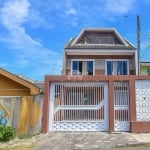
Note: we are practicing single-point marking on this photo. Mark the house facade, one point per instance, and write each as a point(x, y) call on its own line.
point(21, 103)
point(145, 68)
point(99, 89)
point(99, 52)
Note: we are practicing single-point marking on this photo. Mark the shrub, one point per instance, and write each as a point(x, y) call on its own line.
point(7, 133)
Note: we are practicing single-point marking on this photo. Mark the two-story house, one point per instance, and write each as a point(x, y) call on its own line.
point(99, 52)
point(94, 92)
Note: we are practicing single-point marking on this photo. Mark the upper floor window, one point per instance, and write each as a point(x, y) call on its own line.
point(117, 68)
point(80, 67)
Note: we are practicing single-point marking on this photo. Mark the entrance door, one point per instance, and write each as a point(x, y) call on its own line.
point(121, 106)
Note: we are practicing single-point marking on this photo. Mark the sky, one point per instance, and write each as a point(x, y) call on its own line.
point(33, 33)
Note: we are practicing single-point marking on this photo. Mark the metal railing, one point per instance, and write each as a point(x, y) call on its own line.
point(79, 101)
point(121, 106)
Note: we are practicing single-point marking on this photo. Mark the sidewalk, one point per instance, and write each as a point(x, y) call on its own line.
point(80, 141)
point(141, 137)
point(86, 140)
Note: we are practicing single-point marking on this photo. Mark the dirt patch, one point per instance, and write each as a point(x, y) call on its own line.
point(21, 144)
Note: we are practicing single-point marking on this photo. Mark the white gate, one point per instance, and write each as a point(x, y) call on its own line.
point(121, 106)
point(78, 106)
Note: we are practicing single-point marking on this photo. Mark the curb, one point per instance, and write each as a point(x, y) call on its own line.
point(130, 145)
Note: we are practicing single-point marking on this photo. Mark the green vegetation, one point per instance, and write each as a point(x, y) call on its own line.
point(24, 136)
point(7, 133)
point(18, 148)
point(147, 144)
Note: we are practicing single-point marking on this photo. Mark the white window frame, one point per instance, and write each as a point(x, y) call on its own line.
point(83, 60)
point(106, 60)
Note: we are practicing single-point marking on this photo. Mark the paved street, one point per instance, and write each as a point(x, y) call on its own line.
point(80, 141)
point(86, 141)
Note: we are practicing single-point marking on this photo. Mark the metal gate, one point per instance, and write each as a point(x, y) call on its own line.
point(121, 106)
point(78, 106)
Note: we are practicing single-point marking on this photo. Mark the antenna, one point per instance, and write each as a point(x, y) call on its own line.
point(138, 42)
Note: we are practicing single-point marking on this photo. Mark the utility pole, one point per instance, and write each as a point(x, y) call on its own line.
point(138, 42)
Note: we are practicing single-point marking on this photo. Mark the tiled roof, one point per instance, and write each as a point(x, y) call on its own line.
point(146, 63)
point(33, 88)
point(98, 46)
point(99, 39)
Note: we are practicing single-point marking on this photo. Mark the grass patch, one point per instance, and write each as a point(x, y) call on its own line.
point(22, 147)
point(17, 148)
point(146, 144)
point(24, 136)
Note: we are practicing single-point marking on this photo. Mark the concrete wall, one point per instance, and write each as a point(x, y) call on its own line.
point(136, 125)
point(22, 113)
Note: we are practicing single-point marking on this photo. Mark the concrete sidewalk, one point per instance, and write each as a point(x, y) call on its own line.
point(80, 141)
point(141, 137)
point(87, 140)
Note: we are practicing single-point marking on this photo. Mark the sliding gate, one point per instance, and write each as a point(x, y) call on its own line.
point(78, 106)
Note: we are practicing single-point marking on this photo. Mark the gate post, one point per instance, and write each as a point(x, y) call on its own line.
point(132, 102)
point(111, 105)
point(45, 119)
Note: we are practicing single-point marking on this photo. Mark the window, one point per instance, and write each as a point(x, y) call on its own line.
point(117, 68)
point(148, 71)
point(82, 67)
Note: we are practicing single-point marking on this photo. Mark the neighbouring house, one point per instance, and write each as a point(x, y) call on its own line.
point(99, 89)
point(21, 103)
point(145, 68)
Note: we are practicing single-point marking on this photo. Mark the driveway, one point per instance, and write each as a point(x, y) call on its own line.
point(84, 141)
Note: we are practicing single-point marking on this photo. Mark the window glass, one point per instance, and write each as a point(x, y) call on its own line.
point(117, 68)
point(125, 68)
point(82, 67)
point(122, 68)
point(109, 68)
point(90, 67)
point(75, 65)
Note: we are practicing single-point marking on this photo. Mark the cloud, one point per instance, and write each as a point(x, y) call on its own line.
point(18, 17)
point(71, 11)
point(58, 12)
point(27, 51)
point(119, 6)
point(14, 12)
point(36, 20)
